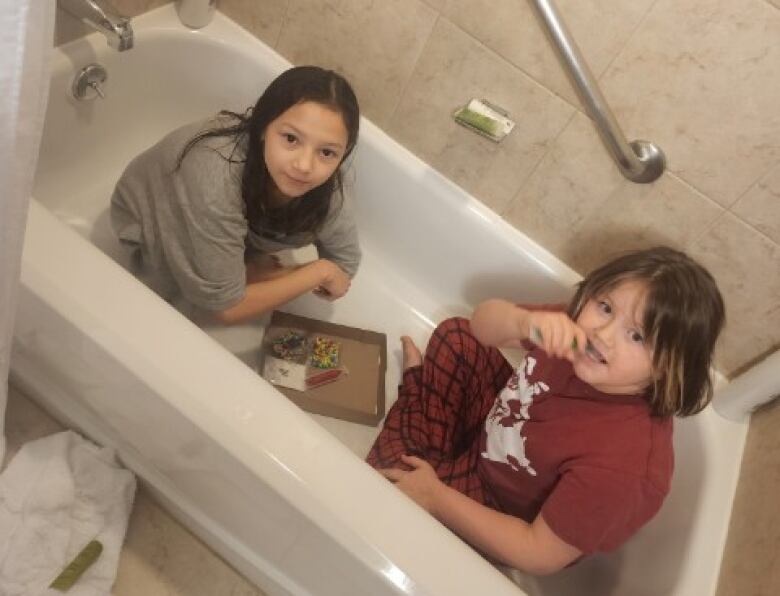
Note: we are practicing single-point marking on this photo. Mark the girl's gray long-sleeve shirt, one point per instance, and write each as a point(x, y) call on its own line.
point(191, 227)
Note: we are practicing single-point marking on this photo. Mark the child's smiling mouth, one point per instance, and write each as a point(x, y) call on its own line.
point(594, 354)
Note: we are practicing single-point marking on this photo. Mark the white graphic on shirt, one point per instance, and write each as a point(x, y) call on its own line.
point(505, 443)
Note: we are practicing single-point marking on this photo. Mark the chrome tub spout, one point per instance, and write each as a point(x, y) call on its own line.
point(102, 17)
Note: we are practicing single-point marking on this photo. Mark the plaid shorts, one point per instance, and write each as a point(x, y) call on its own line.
point(442, 406)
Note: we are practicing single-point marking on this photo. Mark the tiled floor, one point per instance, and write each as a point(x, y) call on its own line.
point(160, 556)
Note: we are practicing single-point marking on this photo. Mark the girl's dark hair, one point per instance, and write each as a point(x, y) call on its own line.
point(294, 86)
point(684, 314)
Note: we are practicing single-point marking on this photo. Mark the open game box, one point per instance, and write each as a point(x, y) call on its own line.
point(327, 369)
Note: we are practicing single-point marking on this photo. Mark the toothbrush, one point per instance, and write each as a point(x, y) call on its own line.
point(537, 337)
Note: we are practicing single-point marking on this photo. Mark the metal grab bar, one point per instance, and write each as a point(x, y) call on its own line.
point(639, 161)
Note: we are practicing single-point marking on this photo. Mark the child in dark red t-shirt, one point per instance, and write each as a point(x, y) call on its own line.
point(570, 453)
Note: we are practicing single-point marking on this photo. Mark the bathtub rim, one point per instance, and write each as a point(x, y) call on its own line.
point(245, 430)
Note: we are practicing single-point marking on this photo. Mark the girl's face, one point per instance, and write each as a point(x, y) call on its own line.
point(618, 359)
point(302, 149)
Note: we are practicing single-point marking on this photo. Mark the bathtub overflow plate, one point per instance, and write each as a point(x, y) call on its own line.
point(87, 84)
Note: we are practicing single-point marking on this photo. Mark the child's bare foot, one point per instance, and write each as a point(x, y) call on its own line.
point(412, 356)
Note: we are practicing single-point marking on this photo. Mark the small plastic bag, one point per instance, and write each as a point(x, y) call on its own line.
point(298, 360)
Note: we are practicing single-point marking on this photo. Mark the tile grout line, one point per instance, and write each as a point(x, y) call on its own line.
point(282, 25)
point(408, 82)
point(537, 165)
point(730, 208)
point(630, 36)
point(772, 5)
point(516, 67)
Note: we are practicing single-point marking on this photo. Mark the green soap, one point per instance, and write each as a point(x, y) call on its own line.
point(479, 121)
point(71, 574)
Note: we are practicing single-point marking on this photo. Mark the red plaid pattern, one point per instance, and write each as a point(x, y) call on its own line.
point(442, 406)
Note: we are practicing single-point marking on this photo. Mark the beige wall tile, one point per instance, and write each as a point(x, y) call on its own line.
point(699, 78)
point(747, 267)
point(453, 69)
point(668, 212)
point(579, 206)
point(599, 27)
point(263, 19)
point(751, 562)
point(133, 8)
point(570, 184)
point(68, 28)
point(760, 206)
point(440, 4)
point(374, 44)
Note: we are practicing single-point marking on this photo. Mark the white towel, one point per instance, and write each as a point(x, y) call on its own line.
point(56, 495)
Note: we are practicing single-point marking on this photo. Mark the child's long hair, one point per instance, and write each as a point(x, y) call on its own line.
point(296, 85)
point(684, 314)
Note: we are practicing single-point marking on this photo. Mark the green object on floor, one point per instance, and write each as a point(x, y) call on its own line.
point(71, 574)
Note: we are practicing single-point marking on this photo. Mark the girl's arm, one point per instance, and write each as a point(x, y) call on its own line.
point(500, 324)
point(337, 240)
point(505, 325)
point(278, 288)
point(532, 548)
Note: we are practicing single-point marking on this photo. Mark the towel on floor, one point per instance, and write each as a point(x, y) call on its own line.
point(56, 495)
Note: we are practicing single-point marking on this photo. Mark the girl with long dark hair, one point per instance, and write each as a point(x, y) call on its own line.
point(206, 208)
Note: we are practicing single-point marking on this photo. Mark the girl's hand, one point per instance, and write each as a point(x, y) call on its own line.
point(420, 483)
point(335, 282)
point(556, 334)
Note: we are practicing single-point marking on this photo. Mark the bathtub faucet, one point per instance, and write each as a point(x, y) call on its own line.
point(102, 16)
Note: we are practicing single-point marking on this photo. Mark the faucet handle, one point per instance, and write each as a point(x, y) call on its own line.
point(91, 77)
point(96, 86)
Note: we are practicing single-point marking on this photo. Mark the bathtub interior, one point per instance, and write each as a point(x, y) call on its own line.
point(83, 155)
point(405, 284)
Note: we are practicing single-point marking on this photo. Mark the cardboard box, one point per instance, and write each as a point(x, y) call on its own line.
point(358, 396)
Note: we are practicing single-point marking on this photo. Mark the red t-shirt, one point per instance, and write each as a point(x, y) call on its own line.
point(597, 466)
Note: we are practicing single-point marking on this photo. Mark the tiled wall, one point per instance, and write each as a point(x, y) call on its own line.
point(697, 77)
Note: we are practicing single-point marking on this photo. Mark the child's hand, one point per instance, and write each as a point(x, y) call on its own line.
point(335, 282)
point(420, 483)
point(556, 333)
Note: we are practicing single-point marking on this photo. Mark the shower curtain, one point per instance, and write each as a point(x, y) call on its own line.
point(26, 39)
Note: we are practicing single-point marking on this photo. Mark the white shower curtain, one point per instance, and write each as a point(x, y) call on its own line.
point(26, 39)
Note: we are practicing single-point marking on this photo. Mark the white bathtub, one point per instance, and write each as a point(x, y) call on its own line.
point(282, 495)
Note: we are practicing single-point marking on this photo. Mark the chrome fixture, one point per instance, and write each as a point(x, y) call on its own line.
point(87, 84)
point(639, 161)
point(102, 16)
